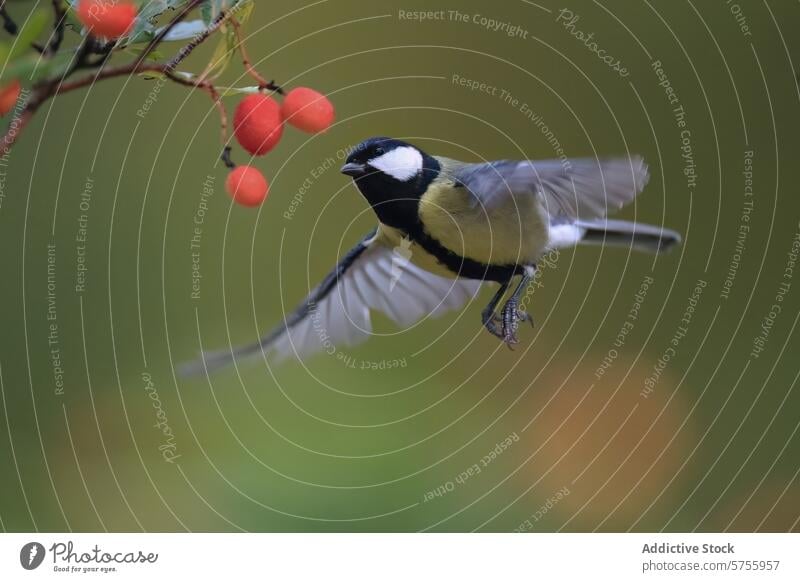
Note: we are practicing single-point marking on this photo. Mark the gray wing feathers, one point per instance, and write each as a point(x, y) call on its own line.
point(570, 189)
point(376, 278)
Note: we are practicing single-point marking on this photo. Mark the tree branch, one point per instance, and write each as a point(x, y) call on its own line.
point(90, 46)
point(50, 88)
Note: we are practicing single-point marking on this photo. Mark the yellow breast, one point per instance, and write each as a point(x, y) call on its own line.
point(513, 232)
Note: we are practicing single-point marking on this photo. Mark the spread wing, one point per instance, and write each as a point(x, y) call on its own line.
point(569, 189)
point(337, 312)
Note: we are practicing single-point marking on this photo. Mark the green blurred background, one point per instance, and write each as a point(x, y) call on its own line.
point(325, 446)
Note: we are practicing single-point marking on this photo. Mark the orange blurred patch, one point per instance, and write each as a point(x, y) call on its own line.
point(614, 445)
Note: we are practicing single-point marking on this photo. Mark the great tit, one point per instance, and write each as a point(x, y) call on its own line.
point(445, 229)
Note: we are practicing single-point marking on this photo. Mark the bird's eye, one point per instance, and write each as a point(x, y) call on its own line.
point(379, 151)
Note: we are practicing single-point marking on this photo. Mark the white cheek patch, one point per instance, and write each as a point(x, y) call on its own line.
point(401, 163)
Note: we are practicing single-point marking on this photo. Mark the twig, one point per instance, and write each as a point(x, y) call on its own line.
point(248, 65)
point(205, 86)
point(8, 23)
point(60, 14)
point(198, 40)
point(223, 115)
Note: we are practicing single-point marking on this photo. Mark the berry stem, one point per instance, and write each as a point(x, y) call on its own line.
point(223, 114)
point(248, 65)
point(226, 158)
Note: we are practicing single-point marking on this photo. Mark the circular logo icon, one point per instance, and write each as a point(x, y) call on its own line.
point(31, 555)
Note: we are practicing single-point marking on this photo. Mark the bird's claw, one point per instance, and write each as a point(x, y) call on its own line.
point(511, 317)
point(490, 322)
point(525, 316)
point(505, 325)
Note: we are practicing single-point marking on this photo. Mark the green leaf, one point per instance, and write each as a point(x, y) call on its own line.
point(32, 67)
point(222, 55)
point(144, 29)
point(185, 30)
point(155, 56)
point(239, 90)
point(29, 32)
point(151, 75)
point(206, 11)
point(210, 9)
point(227, 46)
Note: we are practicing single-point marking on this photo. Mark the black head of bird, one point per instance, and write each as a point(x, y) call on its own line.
point(392, 175)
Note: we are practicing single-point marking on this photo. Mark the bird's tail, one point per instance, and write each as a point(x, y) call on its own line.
point(642, 237)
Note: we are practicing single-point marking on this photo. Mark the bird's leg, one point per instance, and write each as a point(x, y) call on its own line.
point(488, 315)
point(511, 314)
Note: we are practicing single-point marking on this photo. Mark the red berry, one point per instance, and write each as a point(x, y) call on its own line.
point(307, 110)
point(108, 18)
point(257, 124)
point(247, 186)
point(8, 96)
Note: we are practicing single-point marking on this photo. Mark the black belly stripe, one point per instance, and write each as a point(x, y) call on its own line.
point(462, 266)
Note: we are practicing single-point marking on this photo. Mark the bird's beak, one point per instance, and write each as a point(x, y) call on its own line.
point(354, 170)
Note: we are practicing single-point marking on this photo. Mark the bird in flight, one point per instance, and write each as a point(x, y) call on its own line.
point(445, 229)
